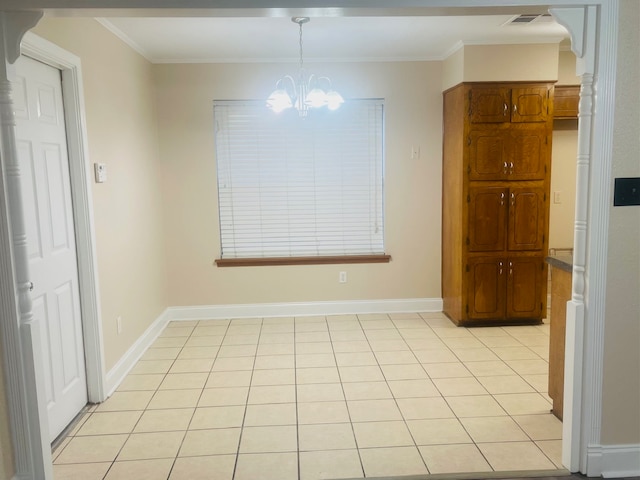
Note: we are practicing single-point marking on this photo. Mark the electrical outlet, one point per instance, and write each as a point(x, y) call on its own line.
point(119, 324)
point(415, 153)
point(557, 197)
point(342, 277)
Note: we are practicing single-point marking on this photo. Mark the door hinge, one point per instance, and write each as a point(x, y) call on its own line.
point(469, 169)
point(545, 169)
point(469, 140)
point(468, 198)
point(467, 267)
point(545, 197)
point(468, 244)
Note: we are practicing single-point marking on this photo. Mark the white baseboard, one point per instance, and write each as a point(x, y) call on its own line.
point(613, 461)
point(120, 370)
point(214, 312)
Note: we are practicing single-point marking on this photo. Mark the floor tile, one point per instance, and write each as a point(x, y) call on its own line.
point(204, 341)
point(420, 408)
point(505, 384)
point(379, 462)
point(313, 347)
point(215, 330)
point(81, 471)
point(162, 342)
point(272, 394)
point(151, 366)
point(271, 362)
point(540, 382)
point(311, 327)
point(276, 338)
point(240, 339)
point(447, 370)
point(459, 386)
point(454, 459)
point(275, 349)
point(389, 345)
point(412, 333)
point(217, 397)
point(184, 381)
point(523, 403)
point(403, 372)
point(227, 351)
point(310, 319)
point(230, 364)
point(178, 331)
point(103, 448)
point(515, 353)
point(425, 344)
point(483, 354)
point(320, 392)
point(210, 442)
point(307, 360)
point(330, 464)
point(109, 423)
point(326, 436)
point(143, 446)
point(475, 406)
point(141, 382)
point(351, 346)
point(438, 431)
point(396, 358)
point(277, 328)
point(528, 367)
point(355, 359)
point(119, 401)
point(217, 417)
point(229, 379)
point(435, 355)
point(553, 450)
point(278, 321)
point(239, 329)
point(366, 391)
point(273, 414)
point(540, 427)
point(413, 388)
point(382, 434)
point(269, 439)
point(164, 399)
point(483, 332)
point(534, 340)
point(501, 341)
point(199, 352)
point(267, 466)
point(493, 429)
point(157, 469)
point(347, 335)
point(317, 375)
point(373, 410)
point(167, 353)
point(386, 334)
point(369, 373)
point(164, 420)
point(489, 368)
point(377, 324)
point(285, 376)
point(218, 467)
point(515, 456)
point(448, 332)
point(303, 337)
point(322, 412)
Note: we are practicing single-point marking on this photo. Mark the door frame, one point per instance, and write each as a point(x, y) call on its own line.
point(593, 29)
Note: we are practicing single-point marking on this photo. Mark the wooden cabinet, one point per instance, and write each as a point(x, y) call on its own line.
point(496, 164)
point(565, 101)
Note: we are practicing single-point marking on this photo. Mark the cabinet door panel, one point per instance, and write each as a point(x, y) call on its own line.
point(527, 153)
point(526, 218)
point(489, 105)
point(487, 219)
point(487, 154)
point(524, 287)
point(529, 104)
point(486, 295)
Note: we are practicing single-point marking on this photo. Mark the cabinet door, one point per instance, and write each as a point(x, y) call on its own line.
point(487, 284)
point(524, 287)
point(526, 218)
point(488, 154)
point(489, 104)
point(487, 219)
point(566, 100)
point(528, 149)
point(529, 104)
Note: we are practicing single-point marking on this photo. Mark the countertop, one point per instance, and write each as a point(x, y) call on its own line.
point(563, 261)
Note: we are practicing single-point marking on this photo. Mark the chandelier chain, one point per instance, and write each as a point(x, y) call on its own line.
point(300, 42)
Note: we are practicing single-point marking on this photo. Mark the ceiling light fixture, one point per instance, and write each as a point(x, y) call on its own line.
point(303, 93)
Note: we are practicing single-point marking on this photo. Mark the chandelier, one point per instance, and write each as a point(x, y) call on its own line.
point(303, 92)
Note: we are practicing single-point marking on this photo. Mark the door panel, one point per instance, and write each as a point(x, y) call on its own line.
point(486, 299)
point(42, 151)
point(529, 104)
point(487, 154)
point(524, 287)
point(526, 218)
point(487, 219)
point(528, 153)
point(489, 104)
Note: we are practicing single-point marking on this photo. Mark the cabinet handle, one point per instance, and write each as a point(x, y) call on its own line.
point(511, 168)
point(513, 199)
point(502, 200)
point(510, 268)
point(504, 168)
point(505, 109)
point(500, 268)
point(515, 108)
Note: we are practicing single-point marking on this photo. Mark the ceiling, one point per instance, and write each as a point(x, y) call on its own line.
point(341, 38)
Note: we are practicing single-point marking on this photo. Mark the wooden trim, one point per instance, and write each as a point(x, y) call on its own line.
point(274, 261)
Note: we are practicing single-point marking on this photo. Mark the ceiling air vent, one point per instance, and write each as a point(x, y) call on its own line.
point(529, 18)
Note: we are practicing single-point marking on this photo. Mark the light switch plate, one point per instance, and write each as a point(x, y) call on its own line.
point(100, 170)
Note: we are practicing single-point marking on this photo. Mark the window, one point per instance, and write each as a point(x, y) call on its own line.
point(300, 187)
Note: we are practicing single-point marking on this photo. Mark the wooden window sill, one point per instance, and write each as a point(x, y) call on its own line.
point(273, 261)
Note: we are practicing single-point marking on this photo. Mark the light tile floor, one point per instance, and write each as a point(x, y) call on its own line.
point(323, 397)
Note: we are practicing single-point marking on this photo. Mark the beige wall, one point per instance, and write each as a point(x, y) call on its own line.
point(510, 63)
point(453, 69)
point(7, 469)
point(621, 388)
point(413, 108)
point(122, 133)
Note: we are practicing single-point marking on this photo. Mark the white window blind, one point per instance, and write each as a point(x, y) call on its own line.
point(298, 187)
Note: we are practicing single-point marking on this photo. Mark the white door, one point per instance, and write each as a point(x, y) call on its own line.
point(48, 212)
